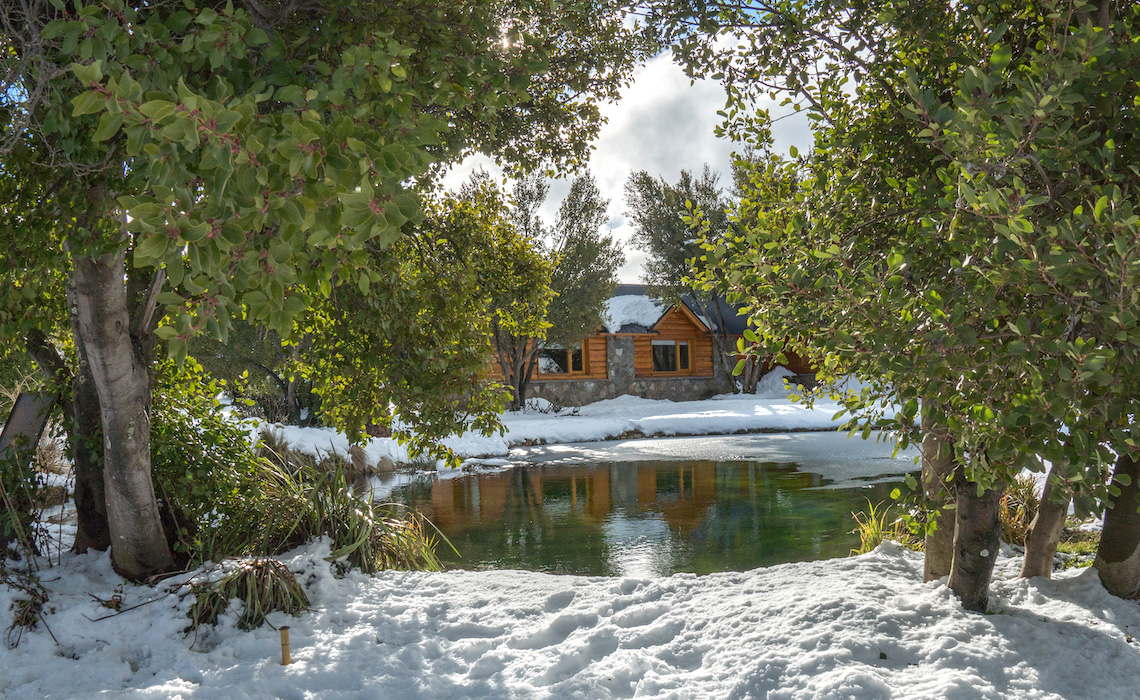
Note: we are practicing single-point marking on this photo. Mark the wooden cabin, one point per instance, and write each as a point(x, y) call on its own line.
point(647, 349)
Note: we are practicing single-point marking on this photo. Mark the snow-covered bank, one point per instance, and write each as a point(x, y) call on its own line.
point(604, 420)
point(863, 627)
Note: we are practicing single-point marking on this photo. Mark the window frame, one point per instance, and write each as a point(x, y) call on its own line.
point(576, 352)
point(681, 356)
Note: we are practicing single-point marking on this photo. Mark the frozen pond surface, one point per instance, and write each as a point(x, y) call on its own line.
point(841, 460)
point(660, 506)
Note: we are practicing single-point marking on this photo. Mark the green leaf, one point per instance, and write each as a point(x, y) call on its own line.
point(151, 249)
point(1101, 205)
point(87, 103)
point(1001, 57)
point(87, 74)
point(108, 127)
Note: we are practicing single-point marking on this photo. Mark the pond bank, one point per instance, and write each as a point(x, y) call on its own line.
point(626, 417)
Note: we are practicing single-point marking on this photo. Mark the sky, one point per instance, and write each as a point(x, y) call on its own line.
point(663, 125)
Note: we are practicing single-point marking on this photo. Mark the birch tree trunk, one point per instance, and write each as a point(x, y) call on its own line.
point(123, 383)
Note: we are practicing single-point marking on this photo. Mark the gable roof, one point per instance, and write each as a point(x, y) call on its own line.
point(632, 310)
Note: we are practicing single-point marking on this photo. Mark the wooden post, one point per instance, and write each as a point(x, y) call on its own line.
point(285, 659)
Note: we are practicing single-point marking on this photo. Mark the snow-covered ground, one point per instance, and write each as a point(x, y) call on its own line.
point(767, 410)
point(863, 627)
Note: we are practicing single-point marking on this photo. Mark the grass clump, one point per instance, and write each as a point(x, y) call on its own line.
point(877, 523)
point(1077, 548)
point(291, 509)
point(262, 585)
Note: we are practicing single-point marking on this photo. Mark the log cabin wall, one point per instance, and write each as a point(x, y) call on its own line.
point(680, 326)
point(593, 357)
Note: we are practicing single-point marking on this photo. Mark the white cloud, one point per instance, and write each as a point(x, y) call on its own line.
point(663, 125)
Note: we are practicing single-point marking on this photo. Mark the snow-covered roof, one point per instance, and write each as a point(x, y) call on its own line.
point(631, 310)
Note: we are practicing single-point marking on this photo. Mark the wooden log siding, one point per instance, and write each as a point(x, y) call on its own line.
point(593, 362)
point(676, 325)
point(593, 357)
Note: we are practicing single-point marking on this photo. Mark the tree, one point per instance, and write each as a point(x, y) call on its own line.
point(419, 336)
point(237, 161)
point(657, 211)
point(259, 366)
point(660, 213)
point(974, 158)
point(584, 262)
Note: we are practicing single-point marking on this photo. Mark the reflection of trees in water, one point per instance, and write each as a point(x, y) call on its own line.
point(719, 515)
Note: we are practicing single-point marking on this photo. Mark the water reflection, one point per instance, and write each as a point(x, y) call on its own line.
point(641, 518)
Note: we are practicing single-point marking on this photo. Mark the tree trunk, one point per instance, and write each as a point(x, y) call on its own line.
point(1118, 555)
point(123, 383)
point(80, 407)
point(976, 542)
point(937, 469)
point(1045, 531)
point(90, 492)
point(750, 377)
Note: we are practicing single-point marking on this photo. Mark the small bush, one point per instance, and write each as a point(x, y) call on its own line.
point(20, 507)
point(1017, 509)
point(223, 499)
point(27, 608)
point(205, 472)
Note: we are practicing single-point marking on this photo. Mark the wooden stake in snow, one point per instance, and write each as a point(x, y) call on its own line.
point(285, 659)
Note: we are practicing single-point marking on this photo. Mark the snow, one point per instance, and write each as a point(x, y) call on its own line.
point(862, 627)
point(772, 384)
point(630, 308)
point(767, 410)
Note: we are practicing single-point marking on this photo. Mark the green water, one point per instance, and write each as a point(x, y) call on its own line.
point(641, 518)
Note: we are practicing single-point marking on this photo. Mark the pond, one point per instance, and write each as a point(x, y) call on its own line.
point(657, 507)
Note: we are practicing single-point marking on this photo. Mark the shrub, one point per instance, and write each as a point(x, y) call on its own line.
point(20, 507)
point(226, 500)
point(205, 472)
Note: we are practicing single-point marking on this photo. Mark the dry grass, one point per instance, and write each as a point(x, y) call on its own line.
point(355, 466)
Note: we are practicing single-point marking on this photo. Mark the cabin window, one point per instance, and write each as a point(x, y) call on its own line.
point(561, 360)
point(670, 356)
